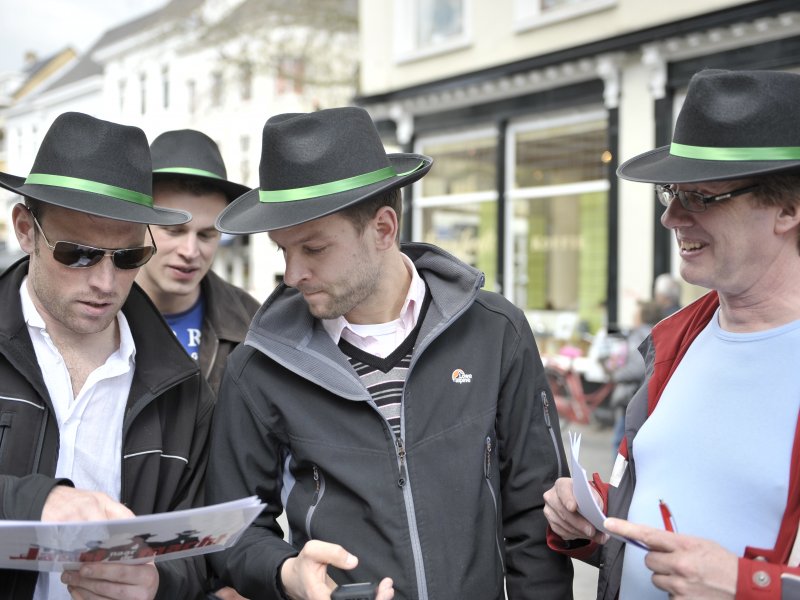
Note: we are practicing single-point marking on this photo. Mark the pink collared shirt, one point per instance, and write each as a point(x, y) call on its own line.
point(380, 339)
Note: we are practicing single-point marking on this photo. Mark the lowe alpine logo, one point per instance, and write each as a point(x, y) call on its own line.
point(459, 376)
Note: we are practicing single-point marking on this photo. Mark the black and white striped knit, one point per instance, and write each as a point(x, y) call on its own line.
point(384, 378)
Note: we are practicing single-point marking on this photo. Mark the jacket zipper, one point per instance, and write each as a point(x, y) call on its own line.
point(546, 406)
point(401, 461)
point(319, 491)
point(411, 516)
point(5, 424)
point(487, 473)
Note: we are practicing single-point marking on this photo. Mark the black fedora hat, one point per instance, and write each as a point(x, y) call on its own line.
point(96, 167)
point(191, 153)
point(316, 164)
point(733, 125)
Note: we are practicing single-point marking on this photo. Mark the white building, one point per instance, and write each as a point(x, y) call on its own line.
point(220, 66)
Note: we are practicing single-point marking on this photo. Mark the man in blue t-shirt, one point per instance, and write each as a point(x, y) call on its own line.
point(208, 315)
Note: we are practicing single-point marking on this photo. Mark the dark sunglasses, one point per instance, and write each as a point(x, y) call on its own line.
point(79, 256)
point(695, 201)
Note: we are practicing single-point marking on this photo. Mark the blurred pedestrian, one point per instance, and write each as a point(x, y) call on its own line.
point(667, 294)
point(628, 373)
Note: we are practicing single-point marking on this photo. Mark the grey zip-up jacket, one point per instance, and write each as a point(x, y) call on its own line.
point(165, 432)
point(445, 508)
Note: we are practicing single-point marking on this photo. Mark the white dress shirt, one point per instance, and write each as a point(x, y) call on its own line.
point(89, 424)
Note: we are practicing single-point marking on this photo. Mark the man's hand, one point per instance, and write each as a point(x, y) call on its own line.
point(305, 576)
point(65, 503)
point(684, 566)
point(561, 510)
point(101, 581)
point(228, 593)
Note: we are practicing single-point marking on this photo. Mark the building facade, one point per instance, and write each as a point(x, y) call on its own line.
point(528, 107)
point(220, 66)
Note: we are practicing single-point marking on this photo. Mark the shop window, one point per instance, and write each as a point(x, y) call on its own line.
point(558, 221)
point(457, 204)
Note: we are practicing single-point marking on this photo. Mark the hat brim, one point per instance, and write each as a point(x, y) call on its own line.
point(95, 204)
point(247, 214)
point(229, 188)
point(659, 166)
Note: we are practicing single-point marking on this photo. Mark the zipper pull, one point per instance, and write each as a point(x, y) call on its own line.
point(316, 484)
point(487, 465)
point(546, 403)
point(401, 456)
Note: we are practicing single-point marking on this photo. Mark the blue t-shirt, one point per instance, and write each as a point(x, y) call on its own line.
point(187, 325)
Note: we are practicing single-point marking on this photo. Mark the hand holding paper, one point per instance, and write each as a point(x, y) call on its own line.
point(587, 505)
point(66, 545)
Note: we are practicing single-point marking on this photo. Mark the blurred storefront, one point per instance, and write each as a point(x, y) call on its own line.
point(528, 108)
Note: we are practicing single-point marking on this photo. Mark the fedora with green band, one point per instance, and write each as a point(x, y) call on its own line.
point(733, 125)
point(316, 164)
point(96, 167)
point(192, 154)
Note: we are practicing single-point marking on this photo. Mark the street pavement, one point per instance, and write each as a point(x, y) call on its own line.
point(596, 457)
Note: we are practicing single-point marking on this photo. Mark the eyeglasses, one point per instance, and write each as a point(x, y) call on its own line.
point(695, 201)
point(79, 256)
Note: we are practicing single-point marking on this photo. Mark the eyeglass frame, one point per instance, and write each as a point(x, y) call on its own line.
point(110, 252)
point(666, 194)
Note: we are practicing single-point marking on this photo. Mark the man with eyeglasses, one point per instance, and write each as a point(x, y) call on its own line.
point(714, 431)
point(102, 413)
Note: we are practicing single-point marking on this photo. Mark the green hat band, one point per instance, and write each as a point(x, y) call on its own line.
point(188, 171)
point(710, 153)
point(86, 185)
point(333, 187)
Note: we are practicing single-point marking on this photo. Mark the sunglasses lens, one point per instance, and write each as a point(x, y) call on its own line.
point(132, 258)
point(75, 255)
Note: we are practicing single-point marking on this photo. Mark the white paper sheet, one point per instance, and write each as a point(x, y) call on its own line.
point(38, 546)
point(587, 504)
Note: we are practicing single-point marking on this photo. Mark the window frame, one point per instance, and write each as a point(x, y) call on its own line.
point(406, 21)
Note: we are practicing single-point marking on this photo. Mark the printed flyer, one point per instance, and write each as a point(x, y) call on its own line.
point(39, 546)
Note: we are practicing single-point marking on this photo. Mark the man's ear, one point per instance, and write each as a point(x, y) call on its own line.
point(386, 227)
point(23, 227)
point(787, 218)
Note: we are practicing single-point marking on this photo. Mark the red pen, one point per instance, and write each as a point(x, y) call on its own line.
point(666, 516)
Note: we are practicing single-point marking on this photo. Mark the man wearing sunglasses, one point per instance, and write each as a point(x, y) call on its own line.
point(102, 414)
point(714, 430)
point(209, 315)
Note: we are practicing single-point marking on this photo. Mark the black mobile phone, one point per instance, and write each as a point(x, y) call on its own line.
point(354, 591)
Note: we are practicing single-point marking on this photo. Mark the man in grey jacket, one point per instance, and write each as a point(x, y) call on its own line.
point(398, 414)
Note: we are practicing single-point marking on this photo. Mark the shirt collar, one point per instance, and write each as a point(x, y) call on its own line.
point(409, 313)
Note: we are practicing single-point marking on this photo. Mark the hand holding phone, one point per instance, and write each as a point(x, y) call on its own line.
point(355, 591)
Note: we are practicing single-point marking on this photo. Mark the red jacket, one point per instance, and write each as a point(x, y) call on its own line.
point(764, 573)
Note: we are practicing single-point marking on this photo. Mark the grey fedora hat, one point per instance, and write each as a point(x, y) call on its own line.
point(96, 167)
point(191, 153)
point(316, 164)
point(733, 125)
